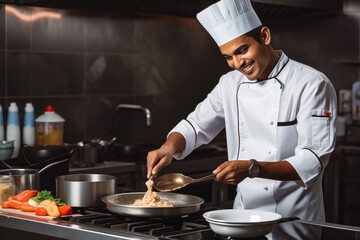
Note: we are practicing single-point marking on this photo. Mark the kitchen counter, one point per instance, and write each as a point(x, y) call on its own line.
point(110, 167)
point(21, 226)
point(123, 171)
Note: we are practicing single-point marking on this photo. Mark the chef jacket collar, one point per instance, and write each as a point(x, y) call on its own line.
point(283, 60)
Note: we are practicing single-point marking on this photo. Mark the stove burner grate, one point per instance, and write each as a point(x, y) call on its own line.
point(160, 227)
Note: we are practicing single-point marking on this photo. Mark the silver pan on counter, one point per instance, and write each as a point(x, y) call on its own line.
point(183, 204)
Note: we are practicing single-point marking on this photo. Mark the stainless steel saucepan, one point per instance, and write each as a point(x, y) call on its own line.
point(26, 178)
point(183, 204)
point(84, 190)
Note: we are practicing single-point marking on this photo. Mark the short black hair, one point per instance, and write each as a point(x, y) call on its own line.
point(255, 33)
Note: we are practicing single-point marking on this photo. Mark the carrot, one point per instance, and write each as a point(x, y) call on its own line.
point(24, 196)
point(5, 204)
point(14, 204)
point(26, 207)
point(20, 195)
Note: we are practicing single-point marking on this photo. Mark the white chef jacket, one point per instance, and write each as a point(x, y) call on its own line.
point(291, 116)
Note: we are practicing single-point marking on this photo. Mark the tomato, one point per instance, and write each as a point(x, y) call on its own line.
point(65, 210)
point(24, 196)
point(40, 211)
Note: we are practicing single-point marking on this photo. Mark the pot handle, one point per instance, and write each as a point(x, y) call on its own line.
point(5, 164)
point(52, 164)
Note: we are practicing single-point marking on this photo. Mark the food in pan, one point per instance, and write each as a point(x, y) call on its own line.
point(152, 199)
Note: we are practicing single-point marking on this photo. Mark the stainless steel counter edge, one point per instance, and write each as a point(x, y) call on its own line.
point(63, 229)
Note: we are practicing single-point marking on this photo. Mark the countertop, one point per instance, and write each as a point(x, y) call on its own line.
point(26, 226)
point(110, 167)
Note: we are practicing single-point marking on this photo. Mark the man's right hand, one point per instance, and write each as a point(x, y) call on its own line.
point(157, 159)
point(161, 157)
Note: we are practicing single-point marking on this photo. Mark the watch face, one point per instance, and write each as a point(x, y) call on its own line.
point(255, 171)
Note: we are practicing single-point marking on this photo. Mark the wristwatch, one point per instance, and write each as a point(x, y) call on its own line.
point(254, 168)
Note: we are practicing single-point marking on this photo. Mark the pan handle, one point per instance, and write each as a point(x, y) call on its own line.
point(5, 164)
point(52, 164)
point(288, 219)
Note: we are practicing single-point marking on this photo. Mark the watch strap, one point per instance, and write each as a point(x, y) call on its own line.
point(254, 168)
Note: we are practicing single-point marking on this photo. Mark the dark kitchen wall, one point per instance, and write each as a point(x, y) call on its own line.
point(328, 42)
point(85, 63)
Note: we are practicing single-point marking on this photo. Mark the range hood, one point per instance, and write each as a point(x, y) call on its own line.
point(188, 8)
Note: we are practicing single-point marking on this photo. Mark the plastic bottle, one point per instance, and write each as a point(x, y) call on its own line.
point(2, 133)
point(29, 126)
point(13, 128)
point(49, 128)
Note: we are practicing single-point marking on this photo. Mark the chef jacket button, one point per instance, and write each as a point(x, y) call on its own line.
point(241, 123)
point(242, 148)
point(274, 81)
point(271, 122)
point(266, 188)
point(269, 152)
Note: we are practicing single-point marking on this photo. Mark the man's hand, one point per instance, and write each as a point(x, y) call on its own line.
point(232, 172)
point(161, 157)
point(157, 159)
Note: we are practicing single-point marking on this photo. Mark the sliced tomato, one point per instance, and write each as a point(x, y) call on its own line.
point(24, 196)
point(65, 210)
point(40, 211)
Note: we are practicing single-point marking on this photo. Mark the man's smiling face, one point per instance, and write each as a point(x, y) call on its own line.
point(248, 56)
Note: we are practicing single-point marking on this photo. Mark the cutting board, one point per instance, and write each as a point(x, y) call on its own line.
point(19, 213)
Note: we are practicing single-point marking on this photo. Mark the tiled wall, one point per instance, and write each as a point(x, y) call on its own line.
point(85, 63)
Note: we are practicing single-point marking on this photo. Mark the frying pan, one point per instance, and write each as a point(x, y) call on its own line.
point(183, 204)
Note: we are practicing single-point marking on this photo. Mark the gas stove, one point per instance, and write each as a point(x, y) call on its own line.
point(95, 224)
point(195, 227)
point(175, 227)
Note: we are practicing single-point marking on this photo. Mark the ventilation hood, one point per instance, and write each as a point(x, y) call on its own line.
point(188, 8)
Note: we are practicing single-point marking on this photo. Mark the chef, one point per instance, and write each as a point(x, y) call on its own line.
point(279, 116)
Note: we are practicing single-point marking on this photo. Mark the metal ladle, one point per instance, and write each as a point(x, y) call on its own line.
point(174, 181)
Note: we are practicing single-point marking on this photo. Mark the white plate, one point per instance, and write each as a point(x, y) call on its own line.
point(242, 223)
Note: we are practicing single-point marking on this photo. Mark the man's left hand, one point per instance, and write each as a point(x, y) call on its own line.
point(232, 172)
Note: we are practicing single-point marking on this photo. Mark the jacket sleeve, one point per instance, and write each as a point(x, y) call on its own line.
point(316, 131)
point(203, 124)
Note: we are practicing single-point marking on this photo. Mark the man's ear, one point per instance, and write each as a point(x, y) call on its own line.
point(265, 35)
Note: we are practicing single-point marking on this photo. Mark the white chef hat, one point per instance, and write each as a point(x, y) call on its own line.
point(228, 19)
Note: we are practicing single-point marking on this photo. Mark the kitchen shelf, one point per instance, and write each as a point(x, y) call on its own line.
point(353, 63)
